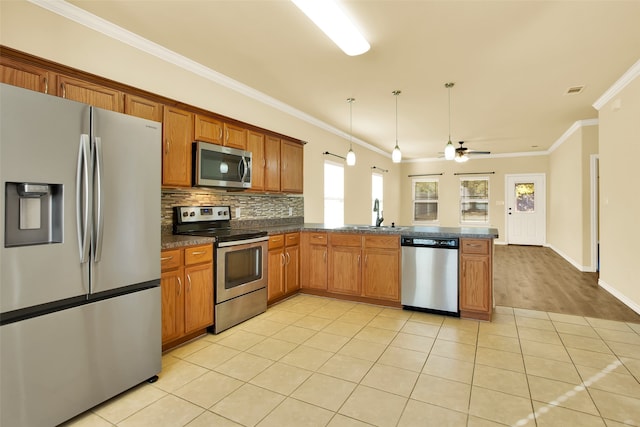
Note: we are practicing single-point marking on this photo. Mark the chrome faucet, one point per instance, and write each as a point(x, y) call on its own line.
point(379, 214)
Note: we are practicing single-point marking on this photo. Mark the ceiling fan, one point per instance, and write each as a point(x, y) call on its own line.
point(462, 152)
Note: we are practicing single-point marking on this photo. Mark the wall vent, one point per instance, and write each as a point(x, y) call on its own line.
point(574, 90)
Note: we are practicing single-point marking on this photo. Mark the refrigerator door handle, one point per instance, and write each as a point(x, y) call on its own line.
point(83, 198)
point(97, 250)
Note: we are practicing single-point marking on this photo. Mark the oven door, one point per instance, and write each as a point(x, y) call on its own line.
point(241, 267)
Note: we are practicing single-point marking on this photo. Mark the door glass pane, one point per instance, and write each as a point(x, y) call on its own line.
point(525, 197)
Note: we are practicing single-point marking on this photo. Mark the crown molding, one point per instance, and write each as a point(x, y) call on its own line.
point(127, 37)
point(617, 87)
point(574, 127)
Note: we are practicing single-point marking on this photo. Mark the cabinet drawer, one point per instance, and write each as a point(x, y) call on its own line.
point(475, 246)
point(318, 238)
point(198, 254)
point(170, 259)
point(382, 242)
point(340, 239)
point(276, 241)
point(292, 239)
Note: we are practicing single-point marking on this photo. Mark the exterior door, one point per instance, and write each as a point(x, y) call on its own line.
point(526, 209)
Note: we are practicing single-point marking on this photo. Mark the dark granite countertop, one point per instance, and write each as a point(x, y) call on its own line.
point(170, 241)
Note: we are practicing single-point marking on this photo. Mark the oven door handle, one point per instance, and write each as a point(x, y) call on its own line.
point(243, 242)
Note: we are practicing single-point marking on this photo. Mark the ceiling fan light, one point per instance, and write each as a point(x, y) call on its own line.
point(351, 158)
point(449, 151)
point(461, 158)
point(332, 20)
point(396, 154)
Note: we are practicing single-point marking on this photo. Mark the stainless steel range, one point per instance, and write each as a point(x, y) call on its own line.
point(240, 262)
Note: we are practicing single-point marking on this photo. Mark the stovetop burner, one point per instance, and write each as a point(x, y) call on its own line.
point(210, 221)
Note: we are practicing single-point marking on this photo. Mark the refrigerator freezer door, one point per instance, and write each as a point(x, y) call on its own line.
point(127, 165)
point(39, 142)
point(55, 366)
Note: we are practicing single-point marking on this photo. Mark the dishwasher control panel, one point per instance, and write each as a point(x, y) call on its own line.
point(429, 242)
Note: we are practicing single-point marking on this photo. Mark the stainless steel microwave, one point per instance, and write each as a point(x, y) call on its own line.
point(218, 166)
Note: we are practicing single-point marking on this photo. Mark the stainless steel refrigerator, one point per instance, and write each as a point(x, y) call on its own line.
point(80, 299)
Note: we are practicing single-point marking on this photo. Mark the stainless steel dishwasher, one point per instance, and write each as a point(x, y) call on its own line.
point(430, 274)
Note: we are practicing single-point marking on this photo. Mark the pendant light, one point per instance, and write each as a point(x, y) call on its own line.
point(351, 156)
point(396, 155)
point(449, 149)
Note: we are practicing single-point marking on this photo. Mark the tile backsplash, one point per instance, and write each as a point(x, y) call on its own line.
point(252, 206)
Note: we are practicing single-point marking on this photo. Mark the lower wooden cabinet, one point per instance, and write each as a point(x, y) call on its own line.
point(284, 266)
point(187, 292)
point(476, 278)
point(365, 265)
point(313, 260)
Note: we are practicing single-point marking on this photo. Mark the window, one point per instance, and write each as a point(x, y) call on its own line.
point(425, 200)
point(376, 193)
point(474, 200)
point(333, 194)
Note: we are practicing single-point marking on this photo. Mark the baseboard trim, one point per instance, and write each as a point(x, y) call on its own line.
point(619, 295)
point(583, 268)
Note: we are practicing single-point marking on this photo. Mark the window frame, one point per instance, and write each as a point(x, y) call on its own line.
point(373, 196)
point(485, 222)
point(413, 201)
point(324, 196)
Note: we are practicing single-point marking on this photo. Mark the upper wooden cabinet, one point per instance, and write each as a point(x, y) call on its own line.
point(272, 163)
point(255, 144)
point(89, 93)
point(291, 178)
point(208, 129)
point(235, 136)
point(141, 107)
point(177, 136)
point(26, 76)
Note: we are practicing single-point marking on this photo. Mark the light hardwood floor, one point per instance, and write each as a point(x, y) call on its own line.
point(537, 278)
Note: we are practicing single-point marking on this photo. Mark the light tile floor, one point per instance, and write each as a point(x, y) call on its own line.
point(312, 361)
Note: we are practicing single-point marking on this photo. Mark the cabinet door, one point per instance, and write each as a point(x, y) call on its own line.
point(235, 136)
point(198, 297)
point(141, 107)
point(381, 274)
point(291, 168)
point(344, 270)
point(177, 131)
point(255, 144)
point(26, 76)
point(272, 164)
point(172, 304)
point(90, 93)
point(275, 286)
point(292, 271)
point(316, 267)
point(208, 129)
point(475, 289)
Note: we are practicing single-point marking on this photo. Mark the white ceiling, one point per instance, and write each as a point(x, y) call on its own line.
point(511, 61)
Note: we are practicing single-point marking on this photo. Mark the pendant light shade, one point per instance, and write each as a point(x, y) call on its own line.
point(351, 156)
point(449, 149)
point(396, 155)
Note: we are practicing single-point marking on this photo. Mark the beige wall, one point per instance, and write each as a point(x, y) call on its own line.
point(31, 29)
point(449, 185)
point(569, 228)
point(619, 206)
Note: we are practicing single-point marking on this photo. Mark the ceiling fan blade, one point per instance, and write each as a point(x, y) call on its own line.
point(478, 152)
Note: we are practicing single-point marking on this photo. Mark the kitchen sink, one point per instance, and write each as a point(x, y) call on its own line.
point(371, 228)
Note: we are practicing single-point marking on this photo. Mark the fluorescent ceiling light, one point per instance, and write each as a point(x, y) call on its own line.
point(331, 19)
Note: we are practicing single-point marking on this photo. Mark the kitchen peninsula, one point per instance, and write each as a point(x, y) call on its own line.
point(363, 263)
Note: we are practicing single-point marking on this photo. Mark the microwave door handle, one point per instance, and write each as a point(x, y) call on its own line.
point(243, 169)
